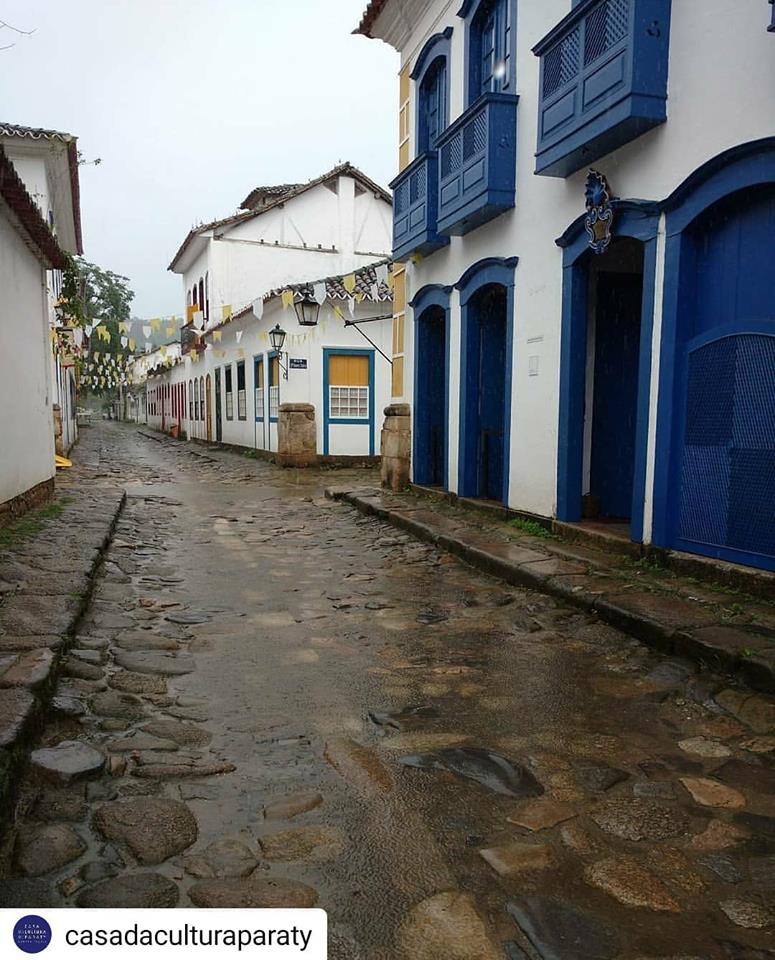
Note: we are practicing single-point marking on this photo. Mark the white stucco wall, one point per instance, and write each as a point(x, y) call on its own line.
point(26, 427)
point(714, 104)
point(322, 232)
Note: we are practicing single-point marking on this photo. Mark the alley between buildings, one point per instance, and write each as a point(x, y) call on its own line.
point(276, 701)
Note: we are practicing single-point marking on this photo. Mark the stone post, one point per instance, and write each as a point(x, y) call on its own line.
point(296, 435)
point(396, 446)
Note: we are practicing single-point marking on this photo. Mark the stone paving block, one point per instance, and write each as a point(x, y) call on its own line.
point(30, 669)
point(16, 708)
point(37, 615)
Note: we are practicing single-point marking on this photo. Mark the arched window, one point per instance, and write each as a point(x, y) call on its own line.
point(201, 300)
point(490, 47)
point(201, 398)
point(432, 118)
point(431, 76)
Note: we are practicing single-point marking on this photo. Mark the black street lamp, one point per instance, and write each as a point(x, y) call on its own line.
point(277, 339)
point(307, 312)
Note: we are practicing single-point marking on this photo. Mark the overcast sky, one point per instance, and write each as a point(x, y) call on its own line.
point(190, 104)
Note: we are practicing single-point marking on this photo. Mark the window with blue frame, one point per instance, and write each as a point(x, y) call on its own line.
point(490, 48)
point(433, 110)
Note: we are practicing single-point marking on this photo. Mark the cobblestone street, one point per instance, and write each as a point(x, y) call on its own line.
point(273, 700)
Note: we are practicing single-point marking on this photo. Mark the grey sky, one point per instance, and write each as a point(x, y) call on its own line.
point(190, 104)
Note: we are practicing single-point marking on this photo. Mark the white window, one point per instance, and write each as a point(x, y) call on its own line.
point(350, 403)
point(274, 401)
point(260, 403)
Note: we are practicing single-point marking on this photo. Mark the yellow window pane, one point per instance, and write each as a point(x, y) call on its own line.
point(398, 333)
point(347, 371)
point(260, 374)
point(403, 83)
point(274, 371)
point(398, 377)
point(399, 289)
point(403, 156)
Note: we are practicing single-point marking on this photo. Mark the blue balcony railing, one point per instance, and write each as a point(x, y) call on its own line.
point(415, 201)
point(603, 81)
point(477, 164)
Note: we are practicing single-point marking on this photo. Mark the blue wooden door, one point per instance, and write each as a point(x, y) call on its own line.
point(617, 344)
point(492, 392)
point(430, 402)
point(218, 415)
point(724, 439)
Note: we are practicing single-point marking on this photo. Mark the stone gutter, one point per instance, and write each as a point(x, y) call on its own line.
point(675, 625)
point(47, 581)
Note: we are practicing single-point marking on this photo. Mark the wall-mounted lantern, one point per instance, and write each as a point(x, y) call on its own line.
point(771, 27)
point(277, 339)
point(307, 312)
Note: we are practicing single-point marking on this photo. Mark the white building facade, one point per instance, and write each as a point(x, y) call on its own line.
point(585, 345)
point(285, 238)
point(47, 163)
point(333, 357)
point(28, 252)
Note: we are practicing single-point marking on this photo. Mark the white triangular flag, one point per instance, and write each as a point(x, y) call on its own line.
point(258, 308)
point(351, 305)
point(146, 330)
point(375, 291)
point(124, 341)
point(382, 273)
point(199, 319)
point(238, 335)
point(319, 293)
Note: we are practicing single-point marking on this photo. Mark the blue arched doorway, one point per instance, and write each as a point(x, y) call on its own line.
point(486, 346)
point(431, 386)
point(715, 471)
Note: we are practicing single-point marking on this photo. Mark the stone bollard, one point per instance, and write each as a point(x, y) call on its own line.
point(296, 435)
point(396, 446)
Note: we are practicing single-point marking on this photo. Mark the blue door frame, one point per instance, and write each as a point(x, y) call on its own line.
point(327, 419)
point(743, 168)
point(639, 221)
point(258, 363)
point(426, 305)
point(492, 271)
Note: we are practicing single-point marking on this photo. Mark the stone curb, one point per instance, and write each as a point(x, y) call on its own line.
point(756, 671)
point(26, 697)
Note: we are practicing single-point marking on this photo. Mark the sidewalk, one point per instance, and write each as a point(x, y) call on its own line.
point(724, 628)
point(48, 559)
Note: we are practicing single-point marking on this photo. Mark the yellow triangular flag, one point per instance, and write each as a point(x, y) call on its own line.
point(241, 354)
point(217, 334)
point(155, 325)
point(132, 344)
point(226, 311)
point(170, 332)
point(349, 282)
point(338, 311)
point(287, 298)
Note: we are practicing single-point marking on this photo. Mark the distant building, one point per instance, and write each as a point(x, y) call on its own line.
point(284, 238)
point(39, 221)
point(585, 208)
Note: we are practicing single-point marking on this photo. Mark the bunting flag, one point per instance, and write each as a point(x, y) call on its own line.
point(258, 308)
point(375, 291)
point(170, 331)
point(238, 335)
point(319, 293)
point(132, 344)
point(351, 306)
point(226, 311)
point(287, 298)
point(338, 311)
point(241, 354)
point(348, 282)
point(382, 273)
point(199, 319)
point(125, 342)
point(146, 330)
point(155, 325)
point(217, 336)
point(360, 297)
point(148, 348)
point(123, 327)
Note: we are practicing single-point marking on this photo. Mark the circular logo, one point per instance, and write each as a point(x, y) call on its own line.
point(32, 934)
